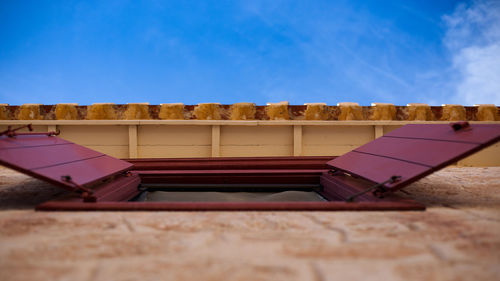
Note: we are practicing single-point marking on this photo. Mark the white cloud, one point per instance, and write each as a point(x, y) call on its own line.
point(473, 38)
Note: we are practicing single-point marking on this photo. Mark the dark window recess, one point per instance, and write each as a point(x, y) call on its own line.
point(363, 179)
point(231, 193)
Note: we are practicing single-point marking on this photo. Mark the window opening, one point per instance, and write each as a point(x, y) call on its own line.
point(230, 193)
point(363, 179)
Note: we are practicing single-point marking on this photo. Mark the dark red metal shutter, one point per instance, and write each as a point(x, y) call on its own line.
point(49, 158)
point(414, 151)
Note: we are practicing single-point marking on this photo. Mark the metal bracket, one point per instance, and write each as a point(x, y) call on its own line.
point(86, 193)
point(12, 132)
point(459, 125)
point(378, 188)
point(333, 171)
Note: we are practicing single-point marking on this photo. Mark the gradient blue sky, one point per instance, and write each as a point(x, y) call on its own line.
point(250, 51)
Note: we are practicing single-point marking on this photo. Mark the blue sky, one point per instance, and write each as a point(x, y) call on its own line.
point(250, 51)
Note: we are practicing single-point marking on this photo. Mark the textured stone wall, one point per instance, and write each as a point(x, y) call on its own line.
point(250, 111)
point(457, 236)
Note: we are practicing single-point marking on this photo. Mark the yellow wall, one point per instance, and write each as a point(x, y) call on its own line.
point(214, 138)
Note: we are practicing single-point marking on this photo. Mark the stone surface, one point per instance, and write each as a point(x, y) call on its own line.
point(207, 111)
point(316, 111)
point(419, 112)
point(29, 111)
point(487, 112)
point(456, 238)
point(66, 111)
point(383, 111)
point(350, 111)
point(4, 113)
point(137, 111)
point(171, 111)
point(278, 111)
point(101, 111)
point(243, 111)
point(250, 111)
point(453, 112)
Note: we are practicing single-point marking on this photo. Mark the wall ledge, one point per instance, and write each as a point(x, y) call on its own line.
point(229, 122)
point(279, 112)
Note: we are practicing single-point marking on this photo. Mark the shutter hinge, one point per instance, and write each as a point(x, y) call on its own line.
point(85, 193)
point(459, 125)
point(378, 189)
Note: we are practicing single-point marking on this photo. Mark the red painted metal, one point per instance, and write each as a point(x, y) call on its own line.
point(32, 158)
point(86, 194)
point(121, 193)
point(285, 176)
point(122, 187)
point(86, 171)
point(377, 168)
point(402, 205)
point(339, 186)
point(424, 152)
point(460, 125)
point(49, 158)
point(415, 151)
point(232, 163)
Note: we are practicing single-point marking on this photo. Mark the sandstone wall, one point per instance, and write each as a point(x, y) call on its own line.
point(249, 111)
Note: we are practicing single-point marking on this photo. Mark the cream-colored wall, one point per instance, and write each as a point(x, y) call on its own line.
point(256, 141)
point(485, 158)
point(334, 140)
point(36, 128)
point(109, 139)
point(154, 141)
point(199, 138)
